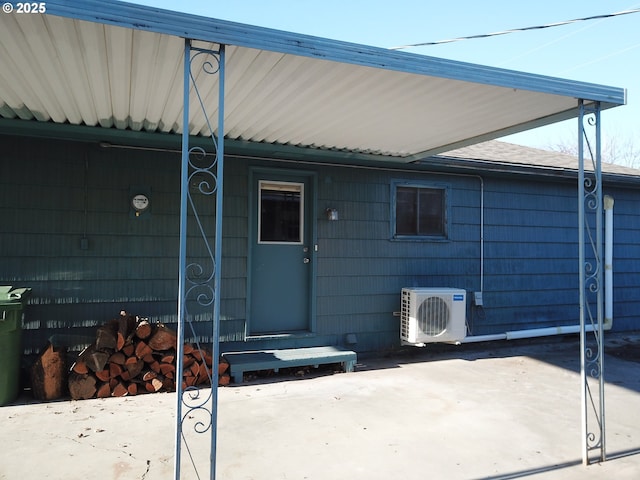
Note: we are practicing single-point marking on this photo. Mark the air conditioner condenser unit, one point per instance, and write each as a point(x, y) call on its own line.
point(430, 315)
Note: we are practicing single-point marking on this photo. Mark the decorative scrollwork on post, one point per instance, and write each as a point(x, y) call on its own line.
point(591, 281)
point(201, 232)
point(197, 406)
point(202, 171)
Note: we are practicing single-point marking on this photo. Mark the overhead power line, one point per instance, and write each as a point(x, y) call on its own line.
point(514, 30)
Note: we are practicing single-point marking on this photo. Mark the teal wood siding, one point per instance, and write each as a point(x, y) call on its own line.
point(361, 269)
point(531, 256)
point(626, 258)
point(235, 229)
point(54, 193)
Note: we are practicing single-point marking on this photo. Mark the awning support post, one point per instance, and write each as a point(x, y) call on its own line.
point(591, 285)
point(199, 268)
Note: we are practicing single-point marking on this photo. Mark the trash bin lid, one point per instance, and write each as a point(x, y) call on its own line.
point(8, 294)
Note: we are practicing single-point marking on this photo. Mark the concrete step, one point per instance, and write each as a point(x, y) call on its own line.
point(241, 362)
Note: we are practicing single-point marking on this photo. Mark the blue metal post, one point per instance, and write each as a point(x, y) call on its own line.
point(200, 278)
point(590, 251)
point(581, 275)
point(600, 299)
point(182, 262)
point(218, 263)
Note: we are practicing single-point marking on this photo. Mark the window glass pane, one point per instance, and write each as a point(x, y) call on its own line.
point(431, 215)
point(420, 211)
point(406, 211)
point(280, 213)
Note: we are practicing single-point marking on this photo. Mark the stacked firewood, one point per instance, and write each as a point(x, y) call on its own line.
point(131, 356)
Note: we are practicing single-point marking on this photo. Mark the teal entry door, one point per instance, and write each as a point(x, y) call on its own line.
point(281, 254)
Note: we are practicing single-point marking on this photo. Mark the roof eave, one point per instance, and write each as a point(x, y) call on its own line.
point(109, 137)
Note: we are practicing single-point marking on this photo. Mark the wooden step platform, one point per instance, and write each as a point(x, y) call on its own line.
point(241, 362)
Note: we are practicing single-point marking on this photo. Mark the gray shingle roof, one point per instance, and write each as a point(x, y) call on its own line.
point(509, 154)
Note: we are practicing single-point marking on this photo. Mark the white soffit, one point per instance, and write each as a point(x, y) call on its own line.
point(81, 72)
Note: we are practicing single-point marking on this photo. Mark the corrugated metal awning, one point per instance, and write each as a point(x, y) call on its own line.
point(116, 65)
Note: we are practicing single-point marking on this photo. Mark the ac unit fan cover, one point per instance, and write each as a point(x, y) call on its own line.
point(433, 316)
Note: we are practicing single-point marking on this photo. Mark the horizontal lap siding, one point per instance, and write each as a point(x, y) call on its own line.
point(53, 193)
point(234, 251)
point(361, 269)
point(531, 251)
point(626, 258)
point(530, 254)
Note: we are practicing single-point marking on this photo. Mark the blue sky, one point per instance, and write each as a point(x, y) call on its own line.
point(598, 51)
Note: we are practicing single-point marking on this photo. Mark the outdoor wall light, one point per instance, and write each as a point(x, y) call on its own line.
point(332, 214)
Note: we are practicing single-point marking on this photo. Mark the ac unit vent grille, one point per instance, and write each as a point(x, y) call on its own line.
point(433, 316)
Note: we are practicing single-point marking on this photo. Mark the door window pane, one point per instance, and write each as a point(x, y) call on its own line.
point(280, 219)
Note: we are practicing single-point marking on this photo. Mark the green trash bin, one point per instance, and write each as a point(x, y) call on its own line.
point(11, 305)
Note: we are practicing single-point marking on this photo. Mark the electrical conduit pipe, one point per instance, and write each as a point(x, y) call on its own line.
point(608, 263)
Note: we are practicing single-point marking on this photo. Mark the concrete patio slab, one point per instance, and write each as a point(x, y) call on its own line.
point(482, 411)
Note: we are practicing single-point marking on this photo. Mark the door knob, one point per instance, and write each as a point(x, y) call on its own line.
point(306, 260)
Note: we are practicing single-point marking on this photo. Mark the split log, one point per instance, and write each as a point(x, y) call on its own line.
point(126, 329)
point(115, 370)
point(167, 368)
point(103, 391)
point(203, 374)
point(94, 359)
point(128, 349)
point(106, 337)
point(149, 358)
point(81, 387)
point(144, 329)
point(120, 341)
point(223, 366)
point(168, 358)
point(154, 385)
point(134, 366)
point(198, 355)
point(163, 339)
point(49, 374)
point(142, 349)
point(119, 390)
point(187, 361)
point(155, 366)
point(168, 384)
point(117, 357)
point(127, 325)
point(132, 388)
point(80, 367)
